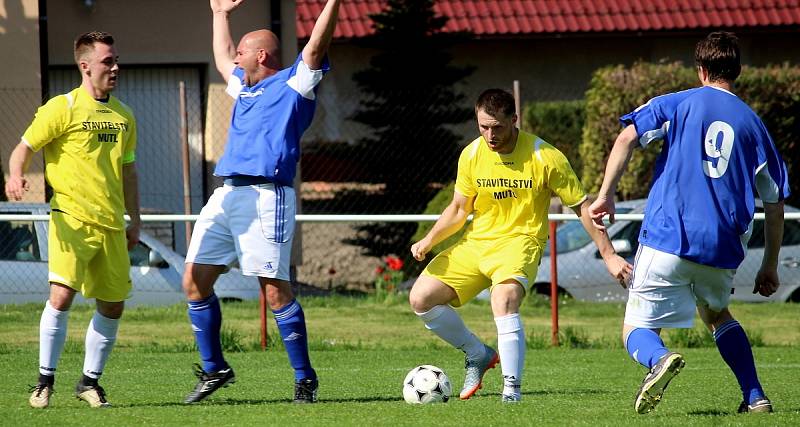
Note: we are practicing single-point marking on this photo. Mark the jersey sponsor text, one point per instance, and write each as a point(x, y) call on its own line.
point(504, 182)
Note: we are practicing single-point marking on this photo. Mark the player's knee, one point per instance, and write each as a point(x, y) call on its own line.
point(188, 285)
point(192, 288)
point(112, 310)
point(506, 298)
point(418, 300)
point(278, 292)
point(61, 296)
point(417, 304)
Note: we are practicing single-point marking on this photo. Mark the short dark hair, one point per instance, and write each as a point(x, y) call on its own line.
point(719, 55)
point(85, 43)
point(493, 101)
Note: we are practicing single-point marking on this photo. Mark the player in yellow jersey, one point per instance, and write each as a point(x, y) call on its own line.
point(89, 143)
point(505, 180)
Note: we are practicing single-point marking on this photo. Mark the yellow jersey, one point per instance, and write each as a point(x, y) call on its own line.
point(85, 143)
point(512, 191)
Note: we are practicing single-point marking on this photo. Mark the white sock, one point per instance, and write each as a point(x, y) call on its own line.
point(511, 346)
point(447, 324)
point(52, 334)
point(100, 338)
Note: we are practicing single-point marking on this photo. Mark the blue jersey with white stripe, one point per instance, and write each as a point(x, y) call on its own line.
point(717, 155)
point(268, 120)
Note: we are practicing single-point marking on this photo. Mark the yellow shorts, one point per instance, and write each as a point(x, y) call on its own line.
point(471, 266)
point(92, 260)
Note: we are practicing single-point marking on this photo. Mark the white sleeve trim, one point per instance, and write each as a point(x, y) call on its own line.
point(642, 106)
point(537, 145)
point(305, 80)
point(234, 87)
point(767, 188)
point(653, 135)
point(25, 141)
point(473, 149)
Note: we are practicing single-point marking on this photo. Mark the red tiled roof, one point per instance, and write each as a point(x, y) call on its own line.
point(520, 17)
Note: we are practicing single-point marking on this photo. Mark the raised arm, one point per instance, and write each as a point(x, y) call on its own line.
point(321, 35)
point(222, 42)
point(452, 219)
point(621, 152)
point(17, 185)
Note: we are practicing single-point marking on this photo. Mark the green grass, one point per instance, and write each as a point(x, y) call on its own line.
point(362, 350)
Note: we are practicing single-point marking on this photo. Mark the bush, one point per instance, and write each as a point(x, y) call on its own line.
point(772, 92)
point(615, 91)
point(560, 123)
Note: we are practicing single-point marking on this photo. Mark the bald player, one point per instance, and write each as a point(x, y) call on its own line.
point(251, 218)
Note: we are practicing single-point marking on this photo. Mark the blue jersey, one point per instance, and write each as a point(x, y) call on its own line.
point(268, 120)
point(717, 154)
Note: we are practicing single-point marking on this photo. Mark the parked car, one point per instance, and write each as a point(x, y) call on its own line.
point(583, 275)
point(156, 270)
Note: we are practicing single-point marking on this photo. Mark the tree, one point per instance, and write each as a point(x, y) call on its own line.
point(410, 101)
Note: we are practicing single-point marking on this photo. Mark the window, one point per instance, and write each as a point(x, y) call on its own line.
point(571, 236)
point(139, 255)
point(18, 240)
point(631, 234)
point(143, 256)
point(791, 234)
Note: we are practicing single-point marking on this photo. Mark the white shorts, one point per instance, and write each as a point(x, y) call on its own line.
point(251, 223)
point(666, 289)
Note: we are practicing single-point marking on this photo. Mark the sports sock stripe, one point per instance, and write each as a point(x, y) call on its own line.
point(287, 312)
point(725, 327)
point(202, 304)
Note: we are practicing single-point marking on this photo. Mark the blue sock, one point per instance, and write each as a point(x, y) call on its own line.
point(292, 325)
point(206, 318)
point(645, 347)
point(735, 349)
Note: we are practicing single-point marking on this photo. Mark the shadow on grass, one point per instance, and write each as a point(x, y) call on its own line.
point(711, 412)
point(570, 392)
point(237, 402)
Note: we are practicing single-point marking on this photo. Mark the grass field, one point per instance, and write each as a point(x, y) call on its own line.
point(362, 350)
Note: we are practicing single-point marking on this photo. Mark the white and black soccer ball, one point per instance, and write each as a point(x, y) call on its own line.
point(426, 384)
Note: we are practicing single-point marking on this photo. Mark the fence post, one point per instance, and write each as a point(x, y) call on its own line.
point(187, 196)
point(262, 308)
point(553, 284)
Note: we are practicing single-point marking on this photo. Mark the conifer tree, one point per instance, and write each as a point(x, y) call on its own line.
point(410, 99)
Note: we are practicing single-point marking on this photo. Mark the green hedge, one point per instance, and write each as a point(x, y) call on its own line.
point(560, 123)
point(615, 91)
point(773, 92)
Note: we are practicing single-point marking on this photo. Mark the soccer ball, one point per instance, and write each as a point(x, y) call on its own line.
point(426, 384)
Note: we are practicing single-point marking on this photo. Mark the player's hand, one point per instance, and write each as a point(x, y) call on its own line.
point(16, 186)
point(599, 209)
point(767, 282)
point(420, 249)
point(620, 269)
point(132, 234)
point(224, 5)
